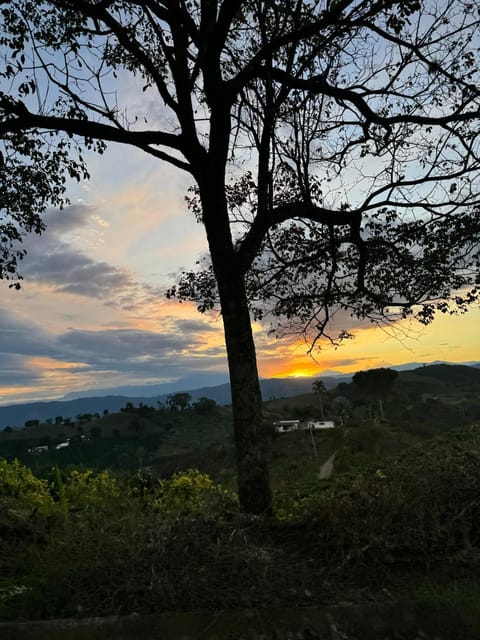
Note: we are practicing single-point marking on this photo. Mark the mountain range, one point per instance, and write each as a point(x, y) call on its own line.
point(114, 399)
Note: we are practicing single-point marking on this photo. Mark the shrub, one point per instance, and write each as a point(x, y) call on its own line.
point(87, 489)
point(419, 508)
point(186, 492)
point(19, 488)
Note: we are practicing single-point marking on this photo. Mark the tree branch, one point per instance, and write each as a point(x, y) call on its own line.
point(251, 244)
point(24, 120)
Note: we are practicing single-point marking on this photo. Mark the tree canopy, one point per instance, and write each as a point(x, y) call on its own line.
point(333, 146)
point(375, 383)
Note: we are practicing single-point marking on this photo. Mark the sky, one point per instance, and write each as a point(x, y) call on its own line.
point(92, 313)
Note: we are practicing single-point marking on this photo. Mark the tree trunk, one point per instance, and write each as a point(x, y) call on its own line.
point(252, 469)
point(253, 481)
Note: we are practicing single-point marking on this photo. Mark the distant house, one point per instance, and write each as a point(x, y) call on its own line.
point(315, 425)
point(283, 426)
point(38, 450)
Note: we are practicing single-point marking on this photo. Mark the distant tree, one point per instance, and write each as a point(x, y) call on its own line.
point(8, 429)
point(58, 419)
point(32, 423)
point(128, 408)
point(105, 412)
point(319, 389)
point(179, 401)
point(49, 421)
point(375, 384)
point(67, 421)
point(205, 406)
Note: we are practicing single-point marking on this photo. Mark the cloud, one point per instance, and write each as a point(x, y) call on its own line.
point(67, 220)
point(122, 345)
point(54, 260)
point(191, 327)
point(40, 363)
point(16, 371)
point(21, 337)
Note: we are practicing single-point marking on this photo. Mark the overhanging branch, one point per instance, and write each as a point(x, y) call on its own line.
point(23, 120)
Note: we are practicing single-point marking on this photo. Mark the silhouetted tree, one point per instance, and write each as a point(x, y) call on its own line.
point(375, 384)
point(333, 146)
point(179, 401)
point(205, 406)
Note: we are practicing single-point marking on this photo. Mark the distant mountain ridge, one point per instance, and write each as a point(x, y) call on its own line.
point(16, 415)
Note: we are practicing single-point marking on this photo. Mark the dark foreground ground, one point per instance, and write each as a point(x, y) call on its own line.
point(392, 621)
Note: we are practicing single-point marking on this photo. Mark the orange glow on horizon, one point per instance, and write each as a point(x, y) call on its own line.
point(449, 338)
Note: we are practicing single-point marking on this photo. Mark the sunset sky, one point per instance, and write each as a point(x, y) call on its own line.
point(92, 312)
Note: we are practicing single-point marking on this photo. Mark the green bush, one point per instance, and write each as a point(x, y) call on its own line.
point(184, 493)
point(20, 489)
point(87, 489)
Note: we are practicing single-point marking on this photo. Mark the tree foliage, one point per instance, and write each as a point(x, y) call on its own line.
point(179, 401)
point(376, 383)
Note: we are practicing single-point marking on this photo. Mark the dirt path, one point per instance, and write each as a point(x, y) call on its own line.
point(326, 469)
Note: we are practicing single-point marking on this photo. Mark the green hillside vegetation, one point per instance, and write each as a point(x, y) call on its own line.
point(141, 514)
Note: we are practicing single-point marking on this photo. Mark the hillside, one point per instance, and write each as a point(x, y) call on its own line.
point(435, 378)
point(423, 404)
point(442, 377)
point(16, 415)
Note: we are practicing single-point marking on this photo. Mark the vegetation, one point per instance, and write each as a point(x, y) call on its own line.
point(399, 518)
point(333, 146)
point(84, 543)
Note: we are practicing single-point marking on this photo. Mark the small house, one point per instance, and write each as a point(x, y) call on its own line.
point(38, 450)
point(316, 425)
point(283, 426)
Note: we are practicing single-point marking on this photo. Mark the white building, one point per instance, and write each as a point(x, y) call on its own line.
point(315, 425)
point(283, 426)
point(37, 450)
